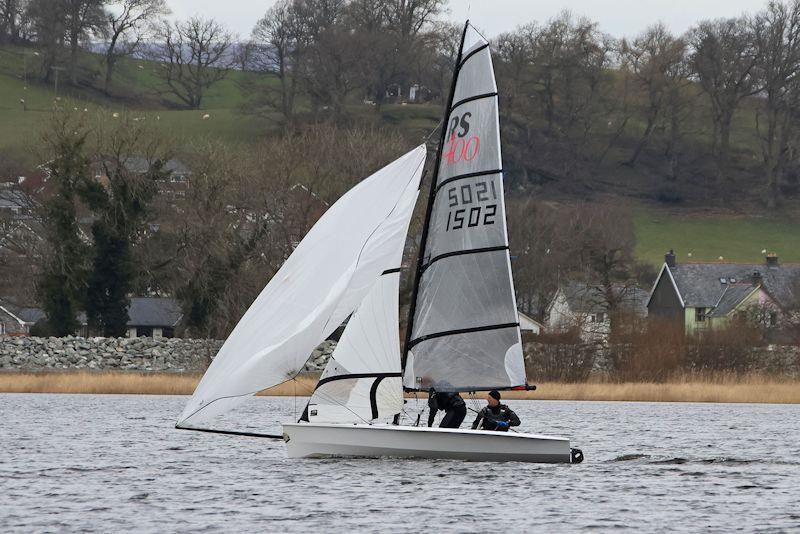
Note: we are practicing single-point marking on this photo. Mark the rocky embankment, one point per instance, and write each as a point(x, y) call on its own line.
point(121, 354)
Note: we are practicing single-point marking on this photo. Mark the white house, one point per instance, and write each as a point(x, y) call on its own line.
point(579, 306)
point(529, 325)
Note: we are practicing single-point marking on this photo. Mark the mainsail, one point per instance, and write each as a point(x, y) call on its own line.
point(320, 284)
point(464, 332)
point(362, 380)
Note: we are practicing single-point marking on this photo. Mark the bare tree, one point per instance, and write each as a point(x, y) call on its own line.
point(777, 35)
point(724, 58)
point(657, 60)
point(247, 210)
point(193, 56)
point(515, 52)
point(280, 42)
point(128, 22)
point(82, 17)
point(11, 11)
point(48, 27)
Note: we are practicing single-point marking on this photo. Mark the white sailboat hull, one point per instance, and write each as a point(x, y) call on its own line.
point(314, 440)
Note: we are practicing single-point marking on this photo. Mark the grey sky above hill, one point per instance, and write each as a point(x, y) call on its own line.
point(617, 17)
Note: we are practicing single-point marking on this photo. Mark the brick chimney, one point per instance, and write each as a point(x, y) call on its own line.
point(669, 258)
point(772, 259)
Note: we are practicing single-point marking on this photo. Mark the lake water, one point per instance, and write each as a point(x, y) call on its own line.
point(108, 463)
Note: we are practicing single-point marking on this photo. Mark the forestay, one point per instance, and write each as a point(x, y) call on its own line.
point(465, 333)
point(320, 284)
point(361, 381)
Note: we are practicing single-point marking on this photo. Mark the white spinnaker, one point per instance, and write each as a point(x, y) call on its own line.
point(318, 286)
point(465, 333)
point(362, 379)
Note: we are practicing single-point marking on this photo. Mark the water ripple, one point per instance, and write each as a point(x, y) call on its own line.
point(73, 463)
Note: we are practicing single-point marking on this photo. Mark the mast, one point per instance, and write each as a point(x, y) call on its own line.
point(431, 197)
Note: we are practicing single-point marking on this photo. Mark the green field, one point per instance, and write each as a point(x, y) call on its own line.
point(736, 239)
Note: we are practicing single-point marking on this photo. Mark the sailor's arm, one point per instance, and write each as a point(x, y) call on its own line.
point(513, 420)
point(477, 422)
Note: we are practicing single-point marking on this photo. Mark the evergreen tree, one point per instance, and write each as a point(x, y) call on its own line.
point(63, 278)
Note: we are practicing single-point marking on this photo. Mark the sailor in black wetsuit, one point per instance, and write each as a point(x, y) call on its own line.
point(495, 416)
point(451, 403)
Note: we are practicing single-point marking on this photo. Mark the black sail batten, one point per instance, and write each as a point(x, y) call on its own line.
point(472, 99)
point(462, 253)
point(431, 197)
point(391, 271)
point(463, 331)
point(465, 176)
point(472, 54)
point(354, 376)
point(373, 394)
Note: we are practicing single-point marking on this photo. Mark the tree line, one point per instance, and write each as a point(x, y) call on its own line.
point(571, 90)
point(573, 100)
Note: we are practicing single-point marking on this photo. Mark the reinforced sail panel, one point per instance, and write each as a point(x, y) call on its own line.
point(465, 332)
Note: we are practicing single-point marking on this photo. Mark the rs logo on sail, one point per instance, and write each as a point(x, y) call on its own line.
point(460, 147)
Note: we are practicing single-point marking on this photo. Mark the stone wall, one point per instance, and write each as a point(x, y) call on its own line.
point(121, 354)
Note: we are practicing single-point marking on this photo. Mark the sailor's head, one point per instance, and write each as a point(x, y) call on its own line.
point(493, 398)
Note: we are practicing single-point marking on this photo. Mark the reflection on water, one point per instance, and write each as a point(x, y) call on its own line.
point(110, 463)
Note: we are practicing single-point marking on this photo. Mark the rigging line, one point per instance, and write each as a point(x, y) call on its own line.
point(323, 396)
point(428, 137)
point(479, 33)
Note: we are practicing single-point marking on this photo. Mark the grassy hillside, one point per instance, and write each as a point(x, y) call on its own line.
point(136, 88)
point(709, 236)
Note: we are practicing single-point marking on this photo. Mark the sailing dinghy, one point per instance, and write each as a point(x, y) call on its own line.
point(463, 327)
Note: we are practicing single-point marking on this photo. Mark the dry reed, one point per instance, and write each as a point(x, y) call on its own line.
point(126, 383)
point(719, 387)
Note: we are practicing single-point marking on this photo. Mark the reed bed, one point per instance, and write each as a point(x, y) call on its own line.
point(718, 387)
point(126, 383)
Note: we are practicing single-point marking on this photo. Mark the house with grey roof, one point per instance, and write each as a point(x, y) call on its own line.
point(148, 317)
point(702, 296)
point(17, 320)
point(582, 306)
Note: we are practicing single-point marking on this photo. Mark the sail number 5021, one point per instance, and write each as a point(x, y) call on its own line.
point(462, 213)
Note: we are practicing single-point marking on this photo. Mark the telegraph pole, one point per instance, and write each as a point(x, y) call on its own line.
point(57, 70)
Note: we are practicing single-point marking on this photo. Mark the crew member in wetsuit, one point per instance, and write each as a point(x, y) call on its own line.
point(495, 416)
point(451, 403)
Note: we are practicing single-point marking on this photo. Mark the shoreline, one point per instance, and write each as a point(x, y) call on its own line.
point(719, 388)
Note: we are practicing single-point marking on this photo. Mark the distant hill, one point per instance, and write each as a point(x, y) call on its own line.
point(697, 214)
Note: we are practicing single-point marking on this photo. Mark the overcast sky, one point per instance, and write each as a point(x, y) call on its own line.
point(617, 17)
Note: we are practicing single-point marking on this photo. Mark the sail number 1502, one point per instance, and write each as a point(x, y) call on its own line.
point(462, 213)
